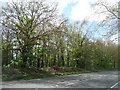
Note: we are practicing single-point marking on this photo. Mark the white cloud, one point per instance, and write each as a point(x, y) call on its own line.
point(10, 0)
point(82, 10)
point(62, 4)
point(3, 0)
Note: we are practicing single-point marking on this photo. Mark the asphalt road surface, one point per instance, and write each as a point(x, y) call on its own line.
point(108, 79)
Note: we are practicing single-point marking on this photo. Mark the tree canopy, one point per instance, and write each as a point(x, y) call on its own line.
point(34, 35)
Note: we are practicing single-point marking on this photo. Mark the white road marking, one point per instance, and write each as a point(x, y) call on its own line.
point(70, 84)
point(115, 84)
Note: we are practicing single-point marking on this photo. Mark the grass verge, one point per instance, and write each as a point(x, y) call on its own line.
point(26, 76)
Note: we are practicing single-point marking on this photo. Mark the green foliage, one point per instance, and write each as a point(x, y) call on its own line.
point(35, 41)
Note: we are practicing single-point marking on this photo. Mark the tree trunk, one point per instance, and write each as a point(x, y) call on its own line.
point(24, 57)
point(6, 57)
point(38, 63)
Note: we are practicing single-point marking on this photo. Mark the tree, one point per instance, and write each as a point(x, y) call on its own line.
point(112, 16)
point(7, 46)
point(112, 10)
point(30, 22)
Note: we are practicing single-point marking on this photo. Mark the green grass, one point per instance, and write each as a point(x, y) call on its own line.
point(26, 76)
point(80, 72)
point(0, 77)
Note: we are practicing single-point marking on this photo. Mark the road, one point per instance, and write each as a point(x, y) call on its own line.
point(107, 79)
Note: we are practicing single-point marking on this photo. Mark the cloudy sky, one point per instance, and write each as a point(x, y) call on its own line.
point(77, 10)
point(83, 9)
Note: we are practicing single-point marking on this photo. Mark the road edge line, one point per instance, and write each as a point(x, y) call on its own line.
point(115, 84)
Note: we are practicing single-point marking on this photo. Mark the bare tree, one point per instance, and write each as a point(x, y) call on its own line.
point(111, 22)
